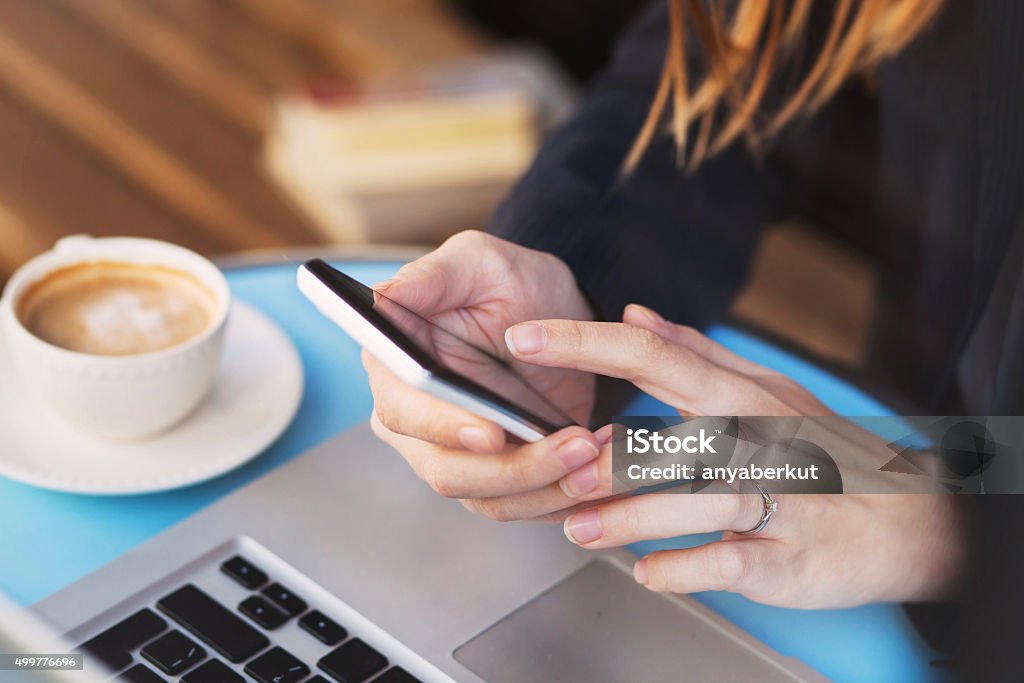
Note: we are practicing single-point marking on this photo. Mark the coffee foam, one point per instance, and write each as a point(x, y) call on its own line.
point(116, 309)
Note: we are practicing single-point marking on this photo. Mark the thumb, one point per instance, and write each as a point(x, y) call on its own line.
point(447, 278)
point(429, 285)
point(412, 287)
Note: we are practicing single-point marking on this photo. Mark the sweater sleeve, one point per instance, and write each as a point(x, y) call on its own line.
point(680, 243)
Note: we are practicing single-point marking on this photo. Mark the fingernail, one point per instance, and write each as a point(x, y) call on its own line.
point(576, 452)
point(583, 527)
point(581, 482)
point(604, 434)
point(640, 572)
point(652, 317)
point(475, 439)
point(524, 339)
point(381, 286)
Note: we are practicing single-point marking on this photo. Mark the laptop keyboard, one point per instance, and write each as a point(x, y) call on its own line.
point(188, 634)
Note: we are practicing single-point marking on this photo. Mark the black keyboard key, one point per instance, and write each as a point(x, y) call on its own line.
point(139, 674)
point(323, 628)
point(262, 612)
point(214, 624)
point(318, 679)
point(353, 662)
point(285, 599)
point(244, 572)
point(214, 671)
point(396, 674)
point(173, 653)
point(114, 645)
point(277, 666)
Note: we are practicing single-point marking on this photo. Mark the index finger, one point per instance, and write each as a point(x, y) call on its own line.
point(669, 372)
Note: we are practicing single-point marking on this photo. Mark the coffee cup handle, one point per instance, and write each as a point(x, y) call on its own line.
point(72, 243)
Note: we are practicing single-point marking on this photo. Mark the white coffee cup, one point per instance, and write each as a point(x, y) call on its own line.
point(127, 396)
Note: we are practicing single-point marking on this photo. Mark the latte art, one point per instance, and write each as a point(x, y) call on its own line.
point(116, 309)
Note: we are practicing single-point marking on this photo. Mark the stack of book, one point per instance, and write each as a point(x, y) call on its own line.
point(416, 159)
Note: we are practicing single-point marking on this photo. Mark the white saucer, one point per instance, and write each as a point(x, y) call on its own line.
point(254, 398)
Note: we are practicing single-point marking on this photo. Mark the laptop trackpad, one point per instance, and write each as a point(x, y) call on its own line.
point(600, 625)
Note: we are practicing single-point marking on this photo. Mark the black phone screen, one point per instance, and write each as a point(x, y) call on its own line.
point(446, 356)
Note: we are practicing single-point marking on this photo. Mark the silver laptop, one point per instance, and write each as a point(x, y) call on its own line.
point(341, 566)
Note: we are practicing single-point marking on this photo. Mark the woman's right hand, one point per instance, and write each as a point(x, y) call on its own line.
point(476, 286)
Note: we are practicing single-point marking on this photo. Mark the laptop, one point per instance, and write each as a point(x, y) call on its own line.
point(341, 566)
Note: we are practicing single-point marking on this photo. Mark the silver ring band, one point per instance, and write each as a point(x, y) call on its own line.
point(769, 508)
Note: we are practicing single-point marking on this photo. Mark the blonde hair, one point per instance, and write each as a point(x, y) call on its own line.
point(747, 49)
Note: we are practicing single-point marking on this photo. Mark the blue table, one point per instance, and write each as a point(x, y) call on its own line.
point(50, 539)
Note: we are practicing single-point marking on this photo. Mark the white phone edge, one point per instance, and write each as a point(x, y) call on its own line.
point(338, 311)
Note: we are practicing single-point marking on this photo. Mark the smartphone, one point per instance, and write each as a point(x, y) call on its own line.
point(430, 358)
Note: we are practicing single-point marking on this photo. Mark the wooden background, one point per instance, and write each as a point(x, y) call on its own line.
point(146, 117)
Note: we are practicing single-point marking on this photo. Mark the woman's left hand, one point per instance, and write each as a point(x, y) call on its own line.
point(817, 551)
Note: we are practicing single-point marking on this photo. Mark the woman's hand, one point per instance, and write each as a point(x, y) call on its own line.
point(817, 551)
point(476, 286)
